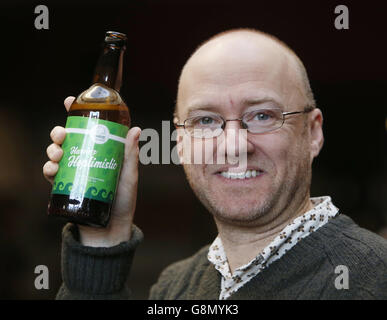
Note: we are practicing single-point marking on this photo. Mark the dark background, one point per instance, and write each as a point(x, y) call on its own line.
point(39, 68)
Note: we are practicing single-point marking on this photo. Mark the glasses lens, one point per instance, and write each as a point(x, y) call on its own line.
point(206, 126)
point(263, 120)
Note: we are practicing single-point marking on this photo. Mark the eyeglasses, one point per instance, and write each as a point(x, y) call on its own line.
point(258, 121)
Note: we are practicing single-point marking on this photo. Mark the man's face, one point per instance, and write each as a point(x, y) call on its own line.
point(230, 78)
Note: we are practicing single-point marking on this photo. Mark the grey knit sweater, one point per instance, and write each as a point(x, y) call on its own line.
point(307, 271)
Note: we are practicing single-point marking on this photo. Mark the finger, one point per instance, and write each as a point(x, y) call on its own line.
point(50, 169)
point(58, 134)
point(54, 152)
point(68, 101)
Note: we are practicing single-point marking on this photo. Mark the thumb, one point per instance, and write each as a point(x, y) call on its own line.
point(131, 144)
point(130, 166)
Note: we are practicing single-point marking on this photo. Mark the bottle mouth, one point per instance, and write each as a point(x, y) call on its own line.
point(115, 38)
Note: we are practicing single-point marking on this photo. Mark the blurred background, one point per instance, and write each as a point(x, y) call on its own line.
point(39, 68)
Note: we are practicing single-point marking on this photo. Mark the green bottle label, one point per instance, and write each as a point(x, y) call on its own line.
point(92, 157)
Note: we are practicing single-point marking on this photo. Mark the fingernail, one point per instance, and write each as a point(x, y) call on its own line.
point(138, 135)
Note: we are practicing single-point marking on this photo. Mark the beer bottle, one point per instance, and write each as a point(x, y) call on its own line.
point(98, 121)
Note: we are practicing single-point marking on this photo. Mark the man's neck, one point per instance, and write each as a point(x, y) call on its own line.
point(242, 244)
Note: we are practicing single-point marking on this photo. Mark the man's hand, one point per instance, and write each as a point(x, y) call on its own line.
point(119, 228)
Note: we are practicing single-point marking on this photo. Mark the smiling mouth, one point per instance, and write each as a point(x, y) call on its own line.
point(248, 174)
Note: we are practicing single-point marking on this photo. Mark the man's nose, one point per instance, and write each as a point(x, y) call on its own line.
point(235, 139)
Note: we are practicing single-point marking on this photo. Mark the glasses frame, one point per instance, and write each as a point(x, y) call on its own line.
point(307, 109)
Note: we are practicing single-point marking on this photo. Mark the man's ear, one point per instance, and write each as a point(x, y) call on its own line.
point(316, 132)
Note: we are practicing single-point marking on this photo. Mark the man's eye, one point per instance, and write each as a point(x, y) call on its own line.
point(202, 122)
point(261, 116)
point(205, 120)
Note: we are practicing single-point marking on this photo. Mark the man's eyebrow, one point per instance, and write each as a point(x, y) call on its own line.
point(248, 102)
point(255, 101)
point(202, 107)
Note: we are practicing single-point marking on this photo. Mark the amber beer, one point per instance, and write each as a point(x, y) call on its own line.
point(98, 120)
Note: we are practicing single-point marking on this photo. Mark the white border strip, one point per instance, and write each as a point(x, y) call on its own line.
point(85, 131)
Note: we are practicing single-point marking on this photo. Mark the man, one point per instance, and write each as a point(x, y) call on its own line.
point(274, 242)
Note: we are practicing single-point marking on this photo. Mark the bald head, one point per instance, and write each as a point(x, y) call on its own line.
point(243, 51)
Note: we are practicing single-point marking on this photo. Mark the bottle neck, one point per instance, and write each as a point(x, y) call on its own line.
point(109, 67)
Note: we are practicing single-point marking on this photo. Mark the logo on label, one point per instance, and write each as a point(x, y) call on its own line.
point(99, 133)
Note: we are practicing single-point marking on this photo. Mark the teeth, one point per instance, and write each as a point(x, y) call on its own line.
point(242, 175)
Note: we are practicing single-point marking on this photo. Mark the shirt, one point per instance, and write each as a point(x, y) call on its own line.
point(298, 229)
